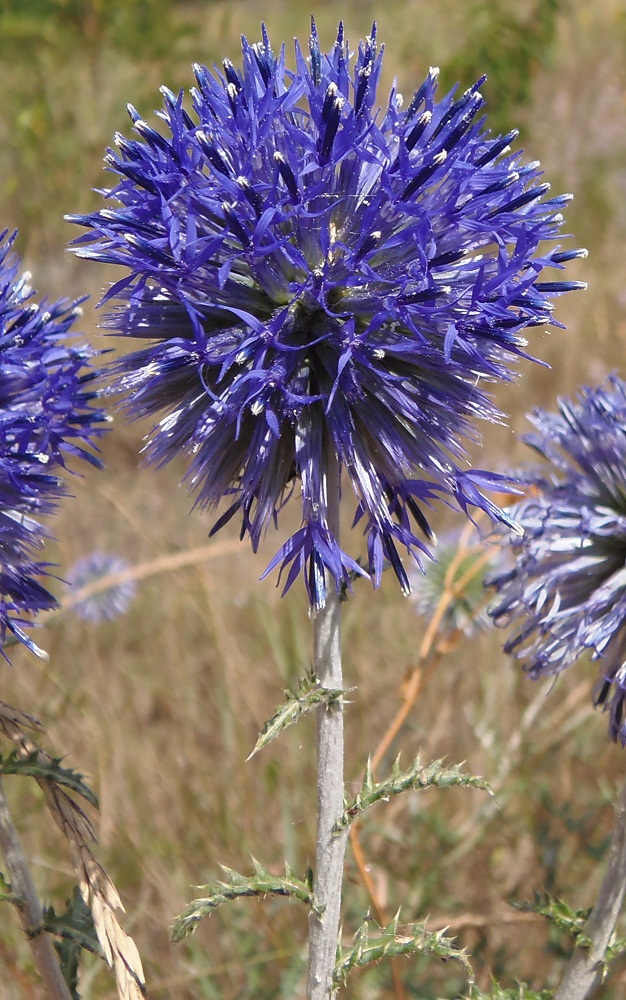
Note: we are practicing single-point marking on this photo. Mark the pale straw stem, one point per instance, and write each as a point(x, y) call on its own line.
point(331, 845)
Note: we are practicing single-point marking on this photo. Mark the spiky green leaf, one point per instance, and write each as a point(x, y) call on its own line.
point(262, 883)
point(615, 950)
point(40, 765)
point(309, 695)
point(518, 992)
point(75, 929)
point(560, 914)
point(416, 777)
point(392, 942)
point(6, 895)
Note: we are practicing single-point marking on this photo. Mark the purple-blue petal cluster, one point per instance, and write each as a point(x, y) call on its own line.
point(46, 416)
point(566, 592)
point(319, 279)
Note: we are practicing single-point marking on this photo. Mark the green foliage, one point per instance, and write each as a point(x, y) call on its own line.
point(41, 766)
point(570, 921)
point(76, 931)
point(308, 696)
point(560, 914)
point(416, 778)
point(262, 883)
point(67, 98)
point(510, 43)
point(390, 943)
point(140, 28)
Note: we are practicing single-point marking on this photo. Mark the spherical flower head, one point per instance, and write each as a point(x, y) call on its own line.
point(323, 280)
point(566, 591)
point(450, 588)
point(45, 417)
point(101, 603)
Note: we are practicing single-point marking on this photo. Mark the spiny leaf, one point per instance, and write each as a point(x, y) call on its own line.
point(77, 932)
point(560, 914)
point(518, 992)
point(41, 766)
point(262, 883)
point(416, 777)
point(571, 921)
point(308, 696)
point(615, 950)
point(413, 939)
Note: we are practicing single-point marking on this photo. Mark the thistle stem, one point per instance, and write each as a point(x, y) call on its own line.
point(331, 845)
point(29, 907)
point(584, 972)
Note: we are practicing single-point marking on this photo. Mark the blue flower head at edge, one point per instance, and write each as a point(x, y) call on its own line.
point(317, 276)
point(566, 590)
point(46, 417)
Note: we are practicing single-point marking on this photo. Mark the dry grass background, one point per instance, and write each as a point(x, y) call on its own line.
point(161, 708)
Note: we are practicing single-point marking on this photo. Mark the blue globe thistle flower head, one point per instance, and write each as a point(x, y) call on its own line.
point(566, 590)
point(101, 603)
point(46, 416)
point(321, 279)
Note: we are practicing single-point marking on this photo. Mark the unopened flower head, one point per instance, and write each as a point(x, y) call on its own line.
point(45, 416)
point(102, 603)
point(321, 279)
point(566, 592)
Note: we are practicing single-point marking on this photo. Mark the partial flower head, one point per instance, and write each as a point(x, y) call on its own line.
point(566, 592)
point(323, 280)
point(450, 588)
point(45, 416)
point(101, 604)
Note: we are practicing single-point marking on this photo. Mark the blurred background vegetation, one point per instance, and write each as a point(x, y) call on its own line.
point(161, 708)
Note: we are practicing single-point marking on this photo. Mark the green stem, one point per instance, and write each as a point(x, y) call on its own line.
point(331, 845)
